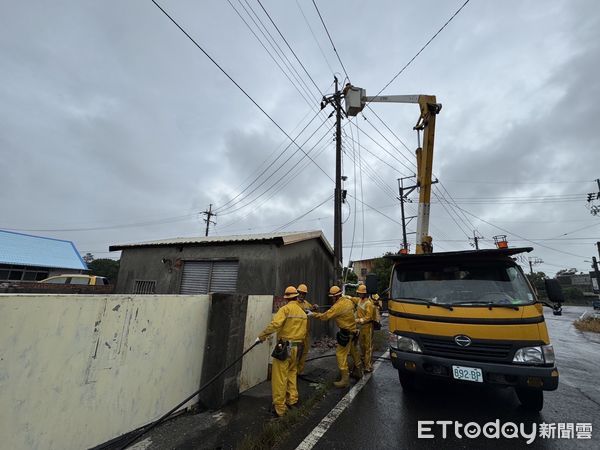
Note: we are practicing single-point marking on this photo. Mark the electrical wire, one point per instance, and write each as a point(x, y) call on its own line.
point(156, 423)
point(235, 83)
point(423, 47)
point(536, 242)
point(315, 37)
point(294, 84)
point(302, 215)
point(224, 208)
point(273, 43)
point(279, 180)
point(290, 47)
point(331, 40)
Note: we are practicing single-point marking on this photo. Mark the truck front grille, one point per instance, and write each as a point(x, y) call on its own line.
point(477, 350)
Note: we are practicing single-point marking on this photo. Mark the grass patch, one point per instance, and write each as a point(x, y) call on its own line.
point(588, 324)
point(275, 431)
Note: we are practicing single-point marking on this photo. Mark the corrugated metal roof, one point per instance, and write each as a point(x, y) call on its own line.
point(28, 250)
point(286, 238)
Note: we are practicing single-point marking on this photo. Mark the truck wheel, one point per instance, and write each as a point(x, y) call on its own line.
point(407, 381)
point(531, 399)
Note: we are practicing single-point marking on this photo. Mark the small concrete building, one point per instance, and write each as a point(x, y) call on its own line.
point(24, 257)
point(255, 264)
point(363, 267)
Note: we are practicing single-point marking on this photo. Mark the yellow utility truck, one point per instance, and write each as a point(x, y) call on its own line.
point(470, 317)
point(464, 316)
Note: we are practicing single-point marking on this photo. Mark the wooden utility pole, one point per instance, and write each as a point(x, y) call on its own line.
point(337, 213)
point(208, 215)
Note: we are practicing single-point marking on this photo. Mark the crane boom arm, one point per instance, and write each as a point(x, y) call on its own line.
point(356, 99)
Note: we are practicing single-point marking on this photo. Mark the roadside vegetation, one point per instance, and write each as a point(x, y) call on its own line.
point(588, 324)
point(276, 431)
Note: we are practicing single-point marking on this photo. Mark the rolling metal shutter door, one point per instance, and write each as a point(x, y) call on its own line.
point(196, 275)
point(224, 276)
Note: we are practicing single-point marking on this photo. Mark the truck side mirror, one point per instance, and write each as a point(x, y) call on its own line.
point(555, 295)
point(371, 282)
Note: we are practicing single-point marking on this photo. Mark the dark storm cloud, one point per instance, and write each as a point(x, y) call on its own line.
point(110, 116)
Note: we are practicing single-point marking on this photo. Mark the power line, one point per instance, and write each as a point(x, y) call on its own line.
point(424, 46)
point(273, 43)
point(521, 237)
point(106, 227)
point(303, 215)
point(331, 40)
point(224, 206)
point(289, 46)
point(234, 208)
point(296, 172)
point(236, 84)
point(314, 37)
point(295, 85)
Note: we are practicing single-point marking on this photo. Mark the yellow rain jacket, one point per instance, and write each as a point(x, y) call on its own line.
point(343, 313)
point(289, 322)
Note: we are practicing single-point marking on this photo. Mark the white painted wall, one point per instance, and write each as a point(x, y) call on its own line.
point(79, 370)
point(255, 364)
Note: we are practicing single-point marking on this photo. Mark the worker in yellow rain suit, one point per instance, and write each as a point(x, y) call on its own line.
point(342, 311)
point(365, 313)
point(306, 306)
point(290, 324)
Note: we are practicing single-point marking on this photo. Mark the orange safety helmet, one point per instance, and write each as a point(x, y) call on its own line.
point(334, 290)
point(302, 288)
point(290, 292)
point(362, 289)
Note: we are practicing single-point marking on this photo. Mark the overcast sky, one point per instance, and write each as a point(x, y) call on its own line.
point(115, 128)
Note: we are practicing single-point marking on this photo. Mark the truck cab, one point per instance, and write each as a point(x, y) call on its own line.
point(470, 317)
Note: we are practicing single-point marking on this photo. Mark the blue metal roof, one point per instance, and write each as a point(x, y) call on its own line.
point(28, 250)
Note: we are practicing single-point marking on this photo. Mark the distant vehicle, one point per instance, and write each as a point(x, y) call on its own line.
point(90, 280)
point(596, 304)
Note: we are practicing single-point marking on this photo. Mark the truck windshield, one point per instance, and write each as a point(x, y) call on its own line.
point(465, 283)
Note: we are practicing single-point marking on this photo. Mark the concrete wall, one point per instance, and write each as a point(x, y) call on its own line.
point(255, 365)
point(256, 273)
point(264, 269)
point(76, 371)
point(306, 262)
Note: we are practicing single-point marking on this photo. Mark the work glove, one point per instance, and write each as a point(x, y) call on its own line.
point(315, 307)
point(308, 312)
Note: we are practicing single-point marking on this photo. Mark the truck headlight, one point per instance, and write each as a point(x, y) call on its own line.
point(535, 355)
point(404, 343)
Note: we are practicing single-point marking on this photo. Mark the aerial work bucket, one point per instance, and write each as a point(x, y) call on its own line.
point(501, 241)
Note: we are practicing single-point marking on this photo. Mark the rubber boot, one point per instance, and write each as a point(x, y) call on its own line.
point(344, 380)
point(357, 373)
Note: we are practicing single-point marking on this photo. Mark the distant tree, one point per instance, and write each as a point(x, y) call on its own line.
point(537, 280)
point(350, 276)
point(103, 267)
point(382, 267)
point(88, 258)
point(573, 293)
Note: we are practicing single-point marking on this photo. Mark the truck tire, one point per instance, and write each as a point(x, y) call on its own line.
point(531, 399)
point(408, 382)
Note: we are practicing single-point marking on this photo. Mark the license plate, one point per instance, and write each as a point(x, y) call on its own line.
point(467, 374)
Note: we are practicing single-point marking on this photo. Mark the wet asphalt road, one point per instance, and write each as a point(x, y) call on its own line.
point(382, 416)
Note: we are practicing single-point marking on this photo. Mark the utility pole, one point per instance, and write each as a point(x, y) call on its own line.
point(337, 213)
point(476, 237)
point(595, 267)
point(532, 262)
point(404, 193)
point(208, 215)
